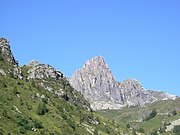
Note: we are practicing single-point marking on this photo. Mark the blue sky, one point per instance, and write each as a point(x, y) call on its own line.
point(138, 38)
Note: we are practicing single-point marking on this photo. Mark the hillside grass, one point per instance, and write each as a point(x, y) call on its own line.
point(134, 117)
point(19, 101)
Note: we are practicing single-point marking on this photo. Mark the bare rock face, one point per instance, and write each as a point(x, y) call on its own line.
point(7, 58)
point(42, 71)
point(6, 51)
point(96, 82)
point(134, 94)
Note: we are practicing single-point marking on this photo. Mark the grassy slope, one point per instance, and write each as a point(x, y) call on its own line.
point(19, 102)
point(27, 108)
point(132, 115)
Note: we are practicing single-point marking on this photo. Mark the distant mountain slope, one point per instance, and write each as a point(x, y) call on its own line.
point(166, 116)
point(38, 99)
point(96, 82)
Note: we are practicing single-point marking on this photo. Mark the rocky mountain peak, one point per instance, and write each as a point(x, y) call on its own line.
point(97, 61)
point(33, 63)
point(94, 75)
point(96, 82)
point(97, 66)
point(6, 51)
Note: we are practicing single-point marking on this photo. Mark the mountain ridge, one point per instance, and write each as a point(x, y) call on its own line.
point(38, 99)
point(97, 83)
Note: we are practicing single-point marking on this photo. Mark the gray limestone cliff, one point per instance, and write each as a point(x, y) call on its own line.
point(96, 82)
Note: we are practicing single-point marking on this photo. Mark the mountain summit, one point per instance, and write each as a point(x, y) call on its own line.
point(96, 82)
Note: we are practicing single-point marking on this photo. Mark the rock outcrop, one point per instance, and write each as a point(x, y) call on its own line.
point(133, 93)
point(6, 51)
point(96, 82)
point(7, 58)
point(55, 82)
point(42, 71)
